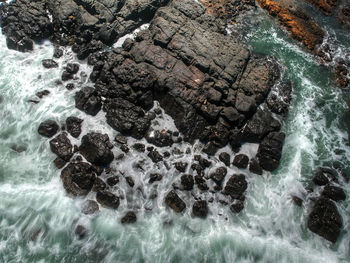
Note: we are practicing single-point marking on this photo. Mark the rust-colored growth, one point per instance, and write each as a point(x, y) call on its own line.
point(326, 6)
point(301, 26)
point(215, 7)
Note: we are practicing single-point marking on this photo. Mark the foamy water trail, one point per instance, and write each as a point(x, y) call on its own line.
point(37, 219)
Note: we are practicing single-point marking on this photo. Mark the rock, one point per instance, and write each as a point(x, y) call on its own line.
point(99, 185)
point(241, 161)
point(334, 192)
point(121, 139)
point(58, 52)
point(181, 166)
point(204, 163)
point(107, 199)
point(140, 147)
point(155, 177)
point(62, 147)
point(81, 231)
point(219, 175)
point(59, 162)
point(113, 180)
point(70, 70)
point(187, 182)
point(259, 126)
point(159, 138)
point(325, 220)
point(237, 206)
point(235, 186)
point(130, 181)
point(155, 156)
point(42, 93)
point(87, 100)
point(78, 178)
point(254, 167)
point(129, 218)
point(127, 118)
point(18, 148)
point(173, 201)
point(73, 125)
point(49, 63)
point(48, 128)
point(201, 183)
point(245, 104)
point(297, 200)
point(90, 207)
point(324, 175)
point(270, 151)
point(225, 158)
point(124, 148)
point(200, 209)
point(95, 149)
point(70, 86)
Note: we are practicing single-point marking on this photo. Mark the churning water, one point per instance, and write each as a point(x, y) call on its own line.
point(37, 219)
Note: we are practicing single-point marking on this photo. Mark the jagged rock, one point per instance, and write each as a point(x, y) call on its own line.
point(140, 147)
point(173, 201)
point(225, 158)
point(87, 100)
point(159, 138)
point(73, 125)
point(235, 186)
point(121, 139)
point(48, 128)
point(297, 200)
point(201, 183)
point(99, 185)
point(181, 166)
point(155, 177)
point(107, 199)
point(78, 178)
point(112, 181)
point(187, 182)
point(255, 167)
point(334, 192)
point(325, 220)
point(155, 156)
point(270, 151)
point(219, 175)
point(62, 147)
point(90, 207)
point(49, 63)
point(59, 162)
point(95, 149)
point(241, 161)
point(200, 209)
point(129, 218)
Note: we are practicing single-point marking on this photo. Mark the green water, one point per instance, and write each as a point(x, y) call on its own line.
point(37, 219)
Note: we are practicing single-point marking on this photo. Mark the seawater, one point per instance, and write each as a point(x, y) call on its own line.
point(37, 219)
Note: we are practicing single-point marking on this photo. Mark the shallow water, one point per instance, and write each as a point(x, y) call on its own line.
point(37, 219)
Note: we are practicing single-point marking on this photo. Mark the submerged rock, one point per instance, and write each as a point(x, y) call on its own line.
point(129, 218)
point(107, 199)
point(270, 151)
point(200, 209)
point(325, 220)
point(90, 207)
point(49, 63)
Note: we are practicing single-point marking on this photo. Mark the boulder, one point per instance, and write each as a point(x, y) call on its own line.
point(235, 186)
point(324, 175)
point(90, 207)
point(48, 128)
point(129, 218)
point(237, 206)
point(94, 147)
point(62, 147)
point(99, 185)
point(73, 125)
point(270, 151)
point(155, 177)
point(181, 166)
point(241, 161)
point(173, 201)
point(325, 220)
point(187, 182)
point(225, 158)
point(333, 192)
point(88, 101)
point(78, 178)
point(219, 175)
point(49, 63)
point(159, 138)
point(107, 199)
point(200, 209)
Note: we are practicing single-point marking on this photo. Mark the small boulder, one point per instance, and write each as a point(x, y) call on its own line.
point(48, 128)
point(155, 156)
point(173, 201)
point(49, 63)
point(200, 209)
point(237, 206)
point(225, 158)
point(81, 231)
point(181, 166)
point(187, 182)
point(113, 180)
point(159, 138)
point(107, 199)
point(270, 151)
point(155, 177)
point(73, 125)
point(219, 175)
point(334, 192)
point(129, 218)
point(88, 101)
point(254, 167)
point(241, 161)
point(235, 186)
point(62, 147)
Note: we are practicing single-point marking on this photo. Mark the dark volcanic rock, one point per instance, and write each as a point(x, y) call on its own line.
point(201, 183)
point(94, 148)
point(200, 209)
point(235, 186)
point(87, 100)
point(112, 181)
point(81, 231)
point(73, 125)
point(325, 220)
point(49, 63)
point(270, 151)
point(324, 175)
point(218, 175)
point(129, 218)
point(181, 166)
point(140, 147)
point(255, 167)
point(62, 147)
point(90, 207)
point(107, 199)
point(175, 202)
point(59, 162)
point(237, 206)
point(78, 178)
point(155, 177)
point(159, 138)
point(99, 185)
point(334, 192)
point(241, 161)
point(225, 158)
point(48, 128)
point(130, 181)
point(187, 181)
point(155, 156)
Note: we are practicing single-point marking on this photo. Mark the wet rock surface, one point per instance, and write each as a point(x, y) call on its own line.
point(48, 128)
